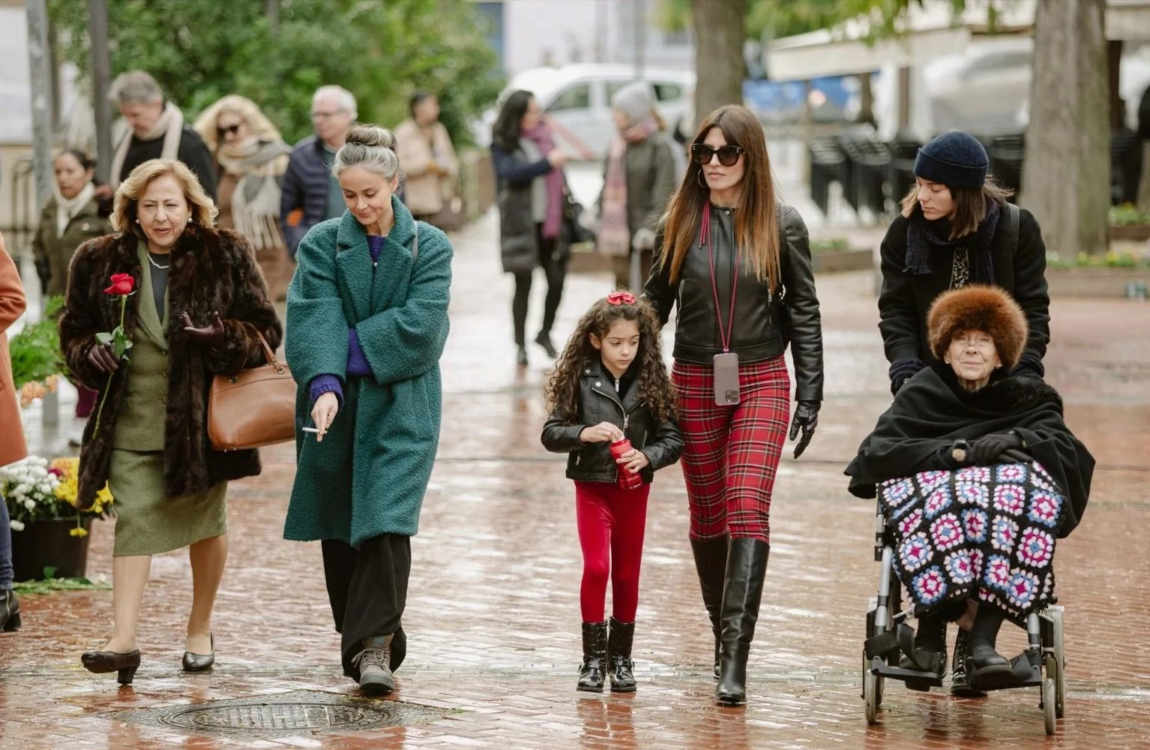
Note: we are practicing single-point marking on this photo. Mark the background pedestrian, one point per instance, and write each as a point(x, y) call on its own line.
point(639, 177)
point(311, 192)
point(197, 301)
point(155, 129)
point(738, 264)
point(251, 159)
point(429, 165)
point(70, 218)
point(532, 195)
point(611, 384)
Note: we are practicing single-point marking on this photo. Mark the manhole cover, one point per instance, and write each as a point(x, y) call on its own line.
point(285, 713)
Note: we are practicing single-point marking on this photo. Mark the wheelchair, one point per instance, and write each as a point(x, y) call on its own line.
point(888, 636)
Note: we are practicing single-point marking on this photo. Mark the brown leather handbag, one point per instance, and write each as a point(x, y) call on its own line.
point(254, 407)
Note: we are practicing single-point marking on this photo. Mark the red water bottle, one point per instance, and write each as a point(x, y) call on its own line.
point(627, 480)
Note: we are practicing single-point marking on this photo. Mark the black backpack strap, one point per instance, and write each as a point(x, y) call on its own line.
point(1013, 214)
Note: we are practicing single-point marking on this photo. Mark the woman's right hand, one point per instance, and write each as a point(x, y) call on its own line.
point(557, 157)
point(323, 413)
point(604, 432)
point(102, 358)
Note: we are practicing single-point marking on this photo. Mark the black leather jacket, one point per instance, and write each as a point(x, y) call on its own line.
point(599, 402)
point(764, 323)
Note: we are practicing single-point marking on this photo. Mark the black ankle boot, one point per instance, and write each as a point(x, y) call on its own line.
point(619, 656)
point(711, 566)
point(742, 590)
point(9, 611)
point(960, 684)
point(985, 661)
point(594, 667)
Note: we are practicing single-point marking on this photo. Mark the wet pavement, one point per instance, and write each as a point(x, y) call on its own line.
point(493, 610)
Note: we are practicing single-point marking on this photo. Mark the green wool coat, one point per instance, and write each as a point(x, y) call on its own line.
point(369, 474)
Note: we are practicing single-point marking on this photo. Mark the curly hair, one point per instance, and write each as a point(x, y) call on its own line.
point(655, 388)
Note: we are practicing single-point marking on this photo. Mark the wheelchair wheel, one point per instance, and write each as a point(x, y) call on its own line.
point(1059, 674)
point(1048, 710)
point(872, 691)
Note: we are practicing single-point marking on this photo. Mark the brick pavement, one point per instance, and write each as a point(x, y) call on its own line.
point(493, 608)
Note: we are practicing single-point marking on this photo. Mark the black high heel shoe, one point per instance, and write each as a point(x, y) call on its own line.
point(9, 611)
point(124, 664)
point(200, 662)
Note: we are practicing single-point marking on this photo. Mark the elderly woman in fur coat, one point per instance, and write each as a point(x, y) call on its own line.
point(977, 475)
point(193, 305)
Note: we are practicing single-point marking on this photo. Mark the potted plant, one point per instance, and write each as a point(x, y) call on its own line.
point(49, 531)
point(36, 358)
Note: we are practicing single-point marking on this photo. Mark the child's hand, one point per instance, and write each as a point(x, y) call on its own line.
point(634, 461)
point(604, 432)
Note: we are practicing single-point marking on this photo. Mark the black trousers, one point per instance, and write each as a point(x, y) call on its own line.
point(555, 269)
point(367, 588)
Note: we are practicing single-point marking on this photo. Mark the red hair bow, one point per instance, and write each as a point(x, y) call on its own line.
point(620, 298)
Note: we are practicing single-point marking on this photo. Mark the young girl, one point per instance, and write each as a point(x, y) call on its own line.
point(611, 383)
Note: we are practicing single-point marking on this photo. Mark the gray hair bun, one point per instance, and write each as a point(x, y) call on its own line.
point(370, 147)
point(371, 136)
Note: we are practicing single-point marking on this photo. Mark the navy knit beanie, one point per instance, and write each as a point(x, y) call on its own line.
point(955, 159)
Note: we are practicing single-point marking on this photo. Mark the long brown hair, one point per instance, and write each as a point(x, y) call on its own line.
point(655, 389)
point(970, 205)
point(756, 221)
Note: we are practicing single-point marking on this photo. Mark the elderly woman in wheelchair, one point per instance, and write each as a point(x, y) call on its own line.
point(976, 475)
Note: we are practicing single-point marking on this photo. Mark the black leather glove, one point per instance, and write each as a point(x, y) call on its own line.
point(985, 450)
point(806, 419)
point(901, 371)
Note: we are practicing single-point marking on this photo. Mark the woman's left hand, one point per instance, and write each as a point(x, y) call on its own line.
point(634, 461)
point(205, 335)
point(806, 419)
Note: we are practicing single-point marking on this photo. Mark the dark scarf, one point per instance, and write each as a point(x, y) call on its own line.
point(931, 411)
point(925, 239)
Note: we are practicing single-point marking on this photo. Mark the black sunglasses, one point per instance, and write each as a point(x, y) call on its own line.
point(233, 129)
point(702, 154)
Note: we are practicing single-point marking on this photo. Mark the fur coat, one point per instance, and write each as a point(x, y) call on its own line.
point(211, 271)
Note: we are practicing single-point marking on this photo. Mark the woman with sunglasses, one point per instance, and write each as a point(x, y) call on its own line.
point(250, 159)
point(738, 264)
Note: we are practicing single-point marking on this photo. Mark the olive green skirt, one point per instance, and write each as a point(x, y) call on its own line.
point(148, 522)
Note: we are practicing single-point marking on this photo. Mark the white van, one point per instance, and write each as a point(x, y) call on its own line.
point(578, 97)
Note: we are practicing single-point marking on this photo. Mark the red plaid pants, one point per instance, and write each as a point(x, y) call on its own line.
point(732, 452)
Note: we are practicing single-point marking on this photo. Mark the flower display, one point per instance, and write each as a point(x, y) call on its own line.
point(36, 490)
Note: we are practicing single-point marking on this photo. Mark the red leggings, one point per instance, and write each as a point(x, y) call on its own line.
point(731, 453)
point(611, 522)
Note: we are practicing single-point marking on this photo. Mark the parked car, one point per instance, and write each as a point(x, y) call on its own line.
point(578, 97)
point(986, 89)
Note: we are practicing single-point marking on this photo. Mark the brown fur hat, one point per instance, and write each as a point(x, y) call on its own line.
point(978, 308)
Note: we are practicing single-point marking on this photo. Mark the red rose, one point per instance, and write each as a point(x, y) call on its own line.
point(122, 285)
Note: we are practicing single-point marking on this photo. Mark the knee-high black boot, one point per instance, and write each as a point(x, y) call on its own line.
point(711, 565)
point(742, 590)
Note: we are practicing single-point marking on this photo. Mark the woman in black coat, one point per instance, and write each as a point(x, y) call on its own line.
point(531, 190)
point(956, 228)
point(977, 474)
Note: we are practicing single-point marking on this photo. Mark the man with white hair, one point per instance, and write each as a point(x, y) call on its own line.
point(155, 130)
point(310, 191)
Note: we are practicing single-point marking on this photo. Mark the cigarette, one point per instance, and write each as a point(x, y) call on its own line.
point(310, 429)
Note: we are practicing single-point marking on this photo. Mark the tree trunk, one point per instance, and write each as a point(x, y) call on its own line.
point(719, 68)
point(1066, 177)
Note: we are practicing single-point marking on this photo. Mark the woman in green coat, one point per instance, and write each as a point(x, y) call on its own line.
point(367, 322)
point(70, 218)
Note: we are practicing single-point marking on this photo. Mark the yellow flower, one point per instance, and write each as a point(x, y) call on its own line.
point(78, 532)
